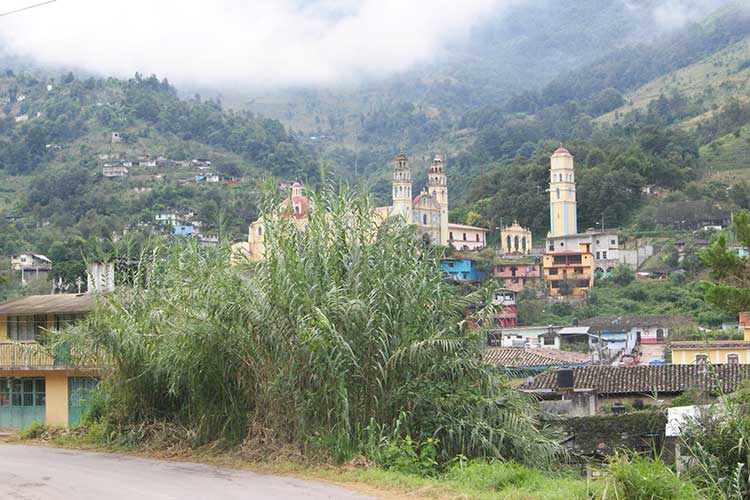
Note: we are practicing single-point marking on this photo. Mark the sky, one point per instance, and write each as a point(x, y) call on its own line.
point(254, 42)
point(257, 43)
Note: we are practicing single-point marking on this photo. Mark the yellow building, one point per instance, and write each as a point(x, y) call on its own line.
point(295, 206)
point(562, 194)
point(37, 384)
point(731, 352)
point(568, 273)
point(515, 239)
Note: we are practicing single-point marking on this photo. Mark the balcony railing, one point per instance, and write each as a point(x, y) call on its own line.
point(32, 356)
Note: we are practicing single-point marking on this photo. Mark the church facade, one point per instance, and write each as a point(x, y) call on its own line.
point(428, 211)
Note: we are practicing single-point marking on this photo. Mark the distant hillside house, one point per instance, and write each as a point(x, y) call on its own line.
point(31, 265)
point(649, 329)
point(569, 273)
point(115, 171)
point(692, 215)
point(522, 362)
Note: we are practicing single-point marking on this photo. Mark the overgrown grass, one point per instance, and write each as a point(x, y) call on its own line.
point(345, 335)
point(639, 478)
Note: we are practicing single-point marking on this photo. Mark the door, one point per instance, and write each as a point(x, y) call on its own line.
point(22, 402)
point(80, 391)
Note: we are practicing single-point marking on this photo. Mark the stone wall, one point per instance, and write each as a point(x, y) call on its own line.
point(603, 435)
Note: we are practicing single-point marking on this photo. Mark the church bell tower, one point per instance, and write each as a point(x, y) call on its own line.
point(437, 185)
point(402, 188)
point(562, 194)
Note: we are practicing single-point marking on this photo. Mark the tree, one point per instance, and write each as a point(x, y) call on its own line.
point(729, 288)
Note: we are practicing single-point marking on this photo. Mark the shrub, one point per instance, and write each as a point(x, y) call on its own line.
point(35, 430)
point(344, 327)
point(639, 478)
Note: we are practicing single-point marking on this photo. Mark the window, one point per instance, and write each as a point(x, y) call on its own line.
point(477, 237)
point(424, 219)
point(22, 392)
point(549, 340)
point(558, 193)
point(604, 255)
point(701, 359)
point(63, 320)
point(733, 359)
point(553, 272)
point(612, 242)
point(450, 235)
point(598, 255)
point(25, 327)
point(260, 231)
point(464, 236)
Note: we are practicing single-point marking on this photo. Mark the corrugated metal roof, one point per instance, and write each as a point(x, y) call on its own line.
point(43, 304)
point(574, 330)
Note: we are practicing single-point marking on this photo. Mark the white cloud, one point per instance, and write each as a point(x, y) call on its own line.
point(236, 42)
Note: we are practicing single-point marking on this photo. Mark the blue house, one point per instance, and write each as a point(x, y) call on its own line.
point(464, 270)
point(182, 230)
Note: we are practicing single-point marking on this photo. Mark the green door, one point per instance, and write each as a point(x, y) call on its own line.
point(80, 390)
point(22, 402)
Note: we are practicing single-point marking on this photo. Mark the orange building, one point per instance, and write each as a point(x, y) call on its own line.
point(569, 273)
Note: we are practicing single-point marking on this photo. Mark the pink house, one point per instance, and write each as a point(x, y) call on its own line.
point(517, 274)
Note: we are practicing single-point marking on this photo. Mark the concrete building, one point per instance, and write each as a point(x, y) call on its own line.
point(731, 352)
point(569, 273)
point(36, 384)
point(517, 274)
point(467, 238)
point(505, 301)
point(115, 171)
point(463, 270)
point(604, 247)
point(515, 239)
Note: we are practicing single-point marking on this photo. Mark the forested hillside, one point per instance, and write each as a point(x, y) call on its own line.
point(56, 134)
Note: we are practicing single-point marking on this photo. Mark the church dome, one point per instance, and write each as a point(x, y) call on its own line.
point(562, 151)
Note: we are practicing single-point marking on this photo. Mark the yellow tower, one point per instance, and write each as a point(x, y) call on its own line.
point(402, 188)
point(437, 185)
point(562, 194)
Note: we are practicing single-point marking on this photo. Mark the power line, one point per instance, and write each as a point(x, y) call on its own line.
point(26, 8)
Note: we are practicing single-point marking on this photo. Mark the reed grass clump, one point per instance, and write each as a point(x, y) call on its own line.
point(345, 335)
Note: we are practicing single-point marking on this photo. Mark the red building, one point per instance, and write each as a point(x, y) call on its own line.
point(517, 274)
point(505, 301)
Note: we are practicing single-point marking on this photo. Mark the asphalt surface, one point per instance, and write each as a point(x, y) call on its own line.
point(39, 473)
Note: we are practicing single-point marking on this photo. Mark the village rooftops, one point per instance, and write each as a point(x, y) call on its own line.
point(623, 323)
point(702, 345)
point(520, 357)
point(645, 379)
point(44, 304)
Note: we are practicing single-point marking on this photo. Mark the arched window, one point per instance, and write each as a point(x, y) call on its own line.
point(516, 244)
point(424, 219)
point(508, 246)
point(523, 244)
point(558, 193)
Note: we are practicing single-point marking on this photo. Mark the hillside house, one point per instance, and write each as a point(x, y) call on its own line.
point(31, 265)
point(113, 171)
point(463, 270)
point(466, 238)
point(517, 274)
point(525, 336)
point(644, 382)
point(649, 329)
point(36, 383)
point(522, 362)
point(569, 273)
point(731, 352)
point(505, 301)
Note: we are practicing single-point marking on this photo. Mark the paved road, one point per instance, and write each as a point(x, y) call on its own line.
point(38, 473)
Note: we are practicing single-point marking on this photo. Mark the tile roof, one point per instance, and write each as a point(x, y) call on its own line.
point(522, 356)
point(43, 304)
point(622, 323)
point(701, 345)
point(645, 379)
